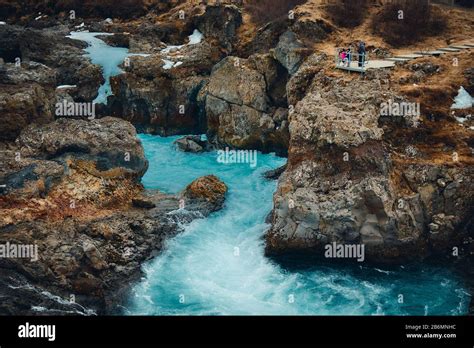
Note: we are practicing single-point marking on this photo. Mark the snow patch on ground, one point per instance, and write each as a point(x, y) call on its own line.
point(168, 64)
point(66, 86)
point(170, 48)
point(463, 100)
point(462, 119)
point(195, 38)
point(140, 54)
point(40, 16)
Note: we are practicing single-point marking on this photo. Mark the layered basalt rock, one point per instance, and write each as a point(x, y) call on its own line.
point(73, 191)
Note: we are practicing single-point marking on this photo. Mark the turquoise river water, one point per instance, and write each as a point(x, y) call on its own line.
point(217, 265)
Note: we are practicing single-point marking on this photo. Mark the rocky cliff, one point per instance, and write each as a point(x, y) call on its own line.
point(350, 181)
point(245, 104)
point(79, 201)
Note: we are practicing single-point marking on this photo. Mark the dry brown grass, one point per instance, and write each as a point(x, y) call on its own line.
point(264, 11)
point(404, 22)
point(438, 130)
point(85, 8)
point(348, 13)
point(103, 8)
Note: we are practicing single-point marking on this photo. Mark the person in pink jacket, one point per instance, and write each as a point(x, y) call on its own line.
point(343, 56)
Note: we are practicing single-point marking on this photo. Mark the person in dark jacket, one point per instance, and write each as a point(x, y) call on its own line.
point(361, 51)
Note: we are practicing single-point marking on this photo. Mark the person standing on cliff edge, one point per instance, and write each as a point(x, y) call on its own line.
point(361, 51)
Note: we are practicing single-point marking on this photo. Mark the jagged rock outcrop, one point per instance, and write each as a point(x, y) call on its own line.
point(46, 156)
point(265, 38)
point(36, 62)
point(22, 106)
point(27, 72)
point(146, 37)
point(349, 182)
point(299, 82)
point(193, 143)
point(164, 101)
point(117, 40)
point(110, 142)
point(240, 101)
point(52, 48)
point(290, 52)
point(220, 22)
point(73, 192)
point(304, 24)
point(27, 94)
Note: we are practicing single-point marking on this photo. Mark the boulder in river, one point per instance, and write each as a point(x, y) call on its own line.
point(192, 143)
point(205, 194)
point(275, 174)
